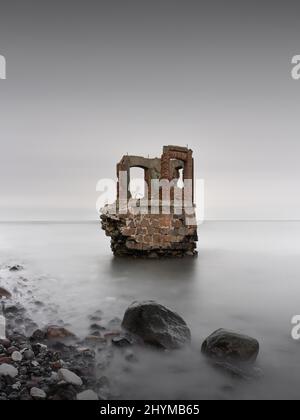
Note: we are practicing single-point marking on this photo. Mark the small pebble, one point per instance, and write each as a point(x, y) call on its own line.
point(17, 356)
point(38, 394)
point(88, 395)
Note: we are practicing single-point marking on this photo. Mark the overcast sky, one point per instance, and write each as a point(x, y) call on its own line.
point(89, 81)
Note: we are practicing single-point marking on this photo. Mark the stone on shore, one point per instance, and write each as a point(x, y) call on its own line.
point(56, 332)
point(69, 377)
point(15, 268)
point(38, 335)
point(38, 394)
point(88, 395)
point(5, 359)
point(229, 346)
point(4, 293)
point(156, 325)
point(17, 356)
point(8, 370)
point(28, 354)
point(123, 340)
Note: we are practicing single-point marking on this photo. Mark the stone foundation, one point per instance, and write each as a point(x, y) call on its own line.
point(143, 233)
point(150, 235)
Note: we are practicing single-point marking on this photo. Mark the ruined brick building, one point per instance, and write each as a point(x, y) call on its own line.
point(163, 222)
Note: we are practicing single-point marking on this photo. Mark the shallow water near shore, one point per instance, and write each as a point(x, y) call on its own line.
point(246, 278)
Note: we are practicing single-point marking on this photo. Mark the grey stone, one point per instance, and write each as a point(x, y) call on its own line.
point(4, 293)
point(17, 386)
point(122, 341)
point(17, 356)
point(15, 268)
point(87, 395)
point(156, 325)
point(69, 377)
point(38, 394)
point(28, 355)
point(230, 346)
point(8, 370)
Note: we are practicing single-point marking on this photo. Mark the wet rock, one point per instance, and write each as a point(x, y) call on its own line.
point(39, 303)
point(96, 333)
point(88, 395)
point(17, 386)
point(28, 354)
point(96, 327)
point(12, 349)
point(41, 346)
point(13, 309)
point(156, 325)
point(56, 332)
point(56, 365)
point(34, 378)
point(8, 370)
point(229, 346)
point(4, 293)
point(38, 335)
point(16, 356)
point(38, 394)
point(5, 343)
point(63, 392)
point(82, 349)
point(111, 334)
point(123, 340)
point(13, 396)
point(69, 377)
point(5, 359)
point(15, 268)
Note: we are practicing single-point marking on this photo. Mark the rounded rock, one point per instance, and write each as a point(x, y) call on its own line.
point(69, 377)
point(8, 370)
point(87, 395)
point(230, 346)
point(29, 354)
point(17, 356)
point(38, 394)
point(156, 325)
point(4, 293)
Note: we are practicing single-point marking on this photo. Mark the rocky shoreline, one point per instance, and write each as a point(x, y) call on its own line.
point(51, 363)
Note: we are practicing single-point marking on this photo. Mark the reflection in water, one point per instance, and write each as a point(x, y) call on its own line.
point(246, 278)
point(144, 279)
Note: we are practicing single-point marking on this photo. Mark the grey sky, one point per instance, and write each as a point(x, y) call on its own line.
point(89, 81)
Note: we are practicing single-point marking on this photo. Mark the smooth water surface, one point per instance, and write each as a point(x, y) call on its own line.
point(246, 278)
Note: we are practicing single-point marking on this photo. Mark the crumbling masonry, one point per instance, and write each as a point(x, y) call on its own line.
point(155, 231)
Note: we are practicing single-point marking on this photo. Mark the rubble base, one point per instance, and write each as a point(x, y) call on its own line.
point(150, 235)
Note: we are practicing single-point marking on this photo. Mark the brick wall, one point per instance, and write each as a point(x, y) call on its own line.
point(150, 235)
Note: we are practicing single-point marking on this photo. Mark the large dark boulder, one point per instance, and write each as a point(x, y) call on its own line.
point(156, 325)
point(229, 346)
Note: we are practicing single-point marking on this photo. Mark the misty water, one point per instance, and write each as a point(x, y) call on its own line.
point(246, 278)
